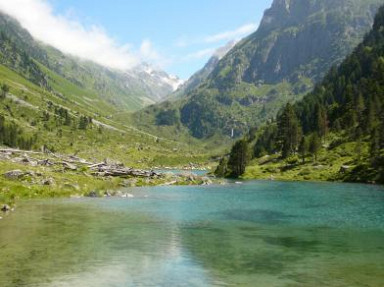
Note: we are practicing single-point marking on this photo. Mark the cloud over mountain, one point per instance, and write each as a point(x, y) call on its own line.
point(70, 36)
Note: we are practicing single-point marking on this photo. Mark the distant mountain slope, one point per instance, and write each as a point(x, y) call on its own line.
point(130, 90)
point(296, 43)
point(200, 76)
point(41, 110)
point(345, 111)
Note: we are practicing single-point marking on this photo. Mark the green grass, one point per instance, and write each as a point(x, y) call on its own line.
point(327, 167)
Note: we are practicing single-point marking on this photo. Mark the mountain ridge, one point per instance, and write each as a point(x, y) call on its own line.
point(130, 90)
point(336, 132)
point(266, 69)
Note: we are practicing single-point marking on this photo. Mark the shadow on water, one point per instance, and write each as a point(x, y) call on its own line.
point(256, 216)
point(227, 251)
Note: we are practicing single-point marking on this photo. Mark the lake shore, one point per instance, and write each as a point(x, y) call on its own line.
point(27, 174)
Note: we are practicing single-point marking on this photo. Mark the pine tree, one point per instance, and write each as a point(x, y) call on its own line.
point(289, 131)
point(83, 123)
point(238, 159)
point(371, 118)
point(4, 91)
point(222, 168)
point(375, 144)
point(314, 145)
point(303, 148)
point(321, 121)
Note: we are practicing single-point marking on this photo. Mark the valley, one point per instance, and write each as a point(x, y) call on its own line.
point(187, 143)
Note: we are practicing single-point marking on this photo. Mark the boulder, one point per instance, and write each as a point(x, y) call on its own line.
point(92, 194)
point(69, 166)
point(5, 208)
point(344, 168)
point(48, 181)
point(14, 174)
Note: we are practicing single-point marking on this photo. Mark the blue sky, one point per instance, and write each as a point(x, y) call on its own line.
point(178, 35)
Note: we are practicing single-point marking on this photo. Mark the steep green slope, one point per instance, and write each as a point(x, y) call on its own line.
point(296, 43)
point(41, 108)
point(129, 90)
point(337, 131)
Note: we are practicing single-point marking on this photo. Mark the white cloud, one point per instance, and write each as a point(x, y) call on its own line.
point(201, 54)
point(71, 37)
point(232, 35)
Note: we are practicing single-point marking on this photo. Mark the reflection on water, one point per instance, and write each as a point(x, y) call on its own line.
point(256, 234)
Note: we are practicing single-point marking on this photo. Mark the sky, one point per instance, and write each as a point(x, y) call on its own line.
point(178, 36)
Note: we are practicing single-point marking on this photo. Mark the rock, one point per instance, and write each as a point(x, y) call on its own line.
point(14, 174)
point(344, 168)
point(107, 194)
point(318, 167)
point(127, 195)
point(69, 166)
point(169, 183)
point(72, 186)
point(45, 162)
point(5, 208)
point(206, 181)
point(129, 183)
point(92, 194)
point(48, 181)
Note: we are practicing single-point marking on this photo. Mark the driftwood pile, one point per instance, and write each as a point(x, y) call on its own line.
point(119, 170)
point(70, 163)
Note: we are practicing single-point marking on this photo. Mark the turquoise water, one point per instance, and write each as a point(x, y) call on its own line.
point(254, 234)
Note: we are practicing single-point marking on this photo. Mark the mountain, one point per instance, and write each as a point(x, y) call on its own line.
point(200, 76)
point(126, 90)
point(339, 125)
point(53, 102)
point(156, 84)
point(296, 43)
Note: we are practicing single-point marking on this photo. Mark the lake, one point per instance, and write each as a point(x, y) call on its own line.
point(258, 233)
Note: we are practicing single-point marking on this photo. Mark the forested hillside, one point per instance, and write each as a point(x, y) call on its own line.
point(339, 126)
point(295, 45)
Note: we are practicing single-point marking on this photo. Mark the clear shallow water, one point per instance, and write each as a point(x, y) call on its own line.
point(255, 234)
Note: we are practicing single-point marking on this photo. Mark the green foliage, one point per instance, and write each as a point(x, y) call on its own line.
point(167, 118)
point(222, 168)
point(84, 122)
point(314, 145)
point(4, 89)
point(289, 131)
point(350, 100)
point(238, 158)
point(264, 71)
point(303, 148)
